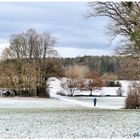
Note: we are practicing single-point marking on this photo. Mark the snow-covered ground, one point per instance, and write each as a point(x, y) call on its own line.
point(68, 123)
point(67, 117)
point(102, 102)
point(56, 85)
point(34, 103)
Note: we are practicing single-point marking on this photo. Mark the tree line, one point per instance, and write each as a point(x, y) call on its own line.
point(119, 67)
point(23, 62)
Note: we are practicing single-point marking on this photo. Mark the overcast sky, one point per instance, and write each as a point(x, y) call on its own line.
point(76, 35)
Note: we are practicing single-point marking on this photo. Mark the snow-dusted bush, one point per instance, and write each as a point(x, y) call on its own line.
point(113, 84)
point(133, 97)
point(70, 85)
point(42, 91)
point(6, 93)
point(27, 93)
point(132, 100)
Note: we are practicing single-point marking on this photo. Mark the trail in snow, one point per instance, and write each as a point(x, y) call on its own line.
point(54, 95)
point(55, 86)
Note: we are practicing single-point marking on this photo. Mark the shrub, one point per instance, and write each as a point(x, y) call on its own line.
point(113, 84)
point(7, 93)
point(42, 91)
point(25, 92)
point(132, 101)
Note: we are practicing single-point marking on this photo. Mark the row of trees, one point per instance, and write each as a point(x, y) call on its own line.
point(109, 67)
point(23, 63)
point(102, 64)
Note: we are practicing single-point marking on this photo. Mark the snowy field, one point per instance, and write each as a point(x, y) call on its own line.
point(53, 118)
point(34, 103)
point(68, 117)
point(104, 102)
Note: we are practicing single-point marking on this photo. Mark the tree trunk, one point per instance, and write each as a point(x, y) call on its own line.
point(138, 89)
point(91, 92)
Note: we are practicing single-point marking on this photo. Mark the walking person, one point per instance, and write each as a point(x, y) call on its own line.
point(95, 101)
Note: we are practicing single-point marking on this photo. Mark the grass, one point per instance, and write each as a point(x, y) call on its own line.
point(68, 123)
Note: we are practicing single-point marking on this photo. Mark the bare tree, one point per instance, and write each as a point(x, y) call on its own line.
point(133, 98)
point(29, 50)
point(74, 74)
point(125, 22)
point(91, 82)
